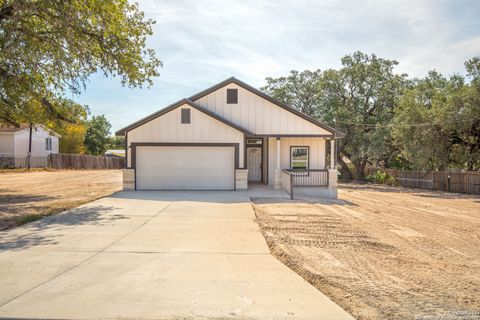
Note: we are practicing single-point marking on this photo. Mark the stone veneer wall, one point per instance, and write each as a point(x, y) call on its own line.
point(128, 179)
point(241, 179)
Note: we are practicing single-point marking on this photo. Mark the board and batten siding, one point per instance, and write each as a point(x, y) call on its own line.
point(201, 129)
point(257, 114)
point(316, 153)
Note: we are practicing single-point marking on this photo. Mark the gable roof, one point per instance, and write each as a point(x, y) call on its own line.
point(6, 128)
point(24, 126)
point(265, 96)
point(173, 106)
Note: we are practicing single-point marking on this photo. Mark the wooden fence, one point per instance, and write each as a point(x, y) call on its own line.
point(81, 161)
point(452, 181)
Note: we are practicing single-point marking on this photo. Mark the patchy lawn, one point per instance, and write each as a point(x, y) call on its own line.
point(27, 196)
point(382, 252)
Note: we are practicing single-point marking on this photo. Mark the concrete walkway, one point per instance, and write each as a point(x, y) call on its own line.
point(152, 255)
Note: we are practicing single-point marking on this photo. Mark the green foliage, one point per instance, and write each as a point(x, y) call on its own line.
point(353, 99)
point(51, 47)
point(72, 139)
point(116, 142)
point(437, 123)
point(382, 178)
point(390, 120)
point(97, 135)
point(298, 90)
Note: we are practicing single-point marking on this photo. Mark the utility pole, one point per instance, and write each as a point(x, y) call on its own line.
point(29, 155)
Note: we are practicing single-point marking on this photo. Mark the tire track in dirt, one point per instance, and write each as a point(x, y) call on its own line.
point(381, 255)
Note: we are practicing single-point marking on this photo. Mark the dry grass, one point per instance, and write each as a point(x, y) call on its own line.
point(382, 252)
point(27, 196)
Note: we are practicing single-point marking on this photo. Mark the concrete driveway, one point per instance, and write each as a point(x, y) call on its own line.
point(152, 255)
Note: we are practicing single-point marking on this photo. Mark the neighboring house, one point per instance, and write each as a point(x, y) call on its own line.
point(14, 145)
point(228, 137)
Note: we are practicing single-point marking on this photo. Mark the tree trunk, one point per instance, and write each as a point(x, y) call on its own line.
point(345, 170)
point(360, 169)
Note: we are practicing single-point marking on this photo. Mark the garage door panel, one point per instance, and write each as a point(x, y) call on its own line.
point(185, 168)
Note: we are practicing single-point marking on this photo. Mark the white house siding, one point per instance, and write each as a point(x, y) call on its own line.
point(6, 144)
point(202, 129)
point(39, 136)
point(257, 114)
point(316, 153)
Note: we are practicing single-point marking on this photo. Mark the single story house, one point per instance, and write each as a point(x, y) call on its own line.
point(228, 137)
point(14, 145)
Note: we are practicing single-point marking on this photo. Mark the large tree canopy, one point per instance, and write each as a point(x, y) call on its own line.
point(97, 136)
point(362, 92)
point(390, 120)
point(49, 48)
point(437, 121)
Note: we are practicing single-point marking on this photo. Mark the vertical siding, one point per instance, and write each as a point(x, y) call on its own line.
point(39, 136)
point(6, 144)
point(202, 129)
point(257, 114)
point(316, 154)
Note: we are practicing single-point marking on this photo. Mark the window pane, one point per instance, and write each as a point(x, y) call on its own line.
point(299, 165)
point(299, 158)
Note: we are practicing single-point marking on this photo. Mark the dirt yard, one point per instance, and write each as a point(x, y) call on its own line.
point(382, 252)
point(26, 196)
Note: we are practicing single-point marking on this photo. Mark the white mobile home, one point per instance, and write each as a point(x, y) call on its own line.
point(14, 143)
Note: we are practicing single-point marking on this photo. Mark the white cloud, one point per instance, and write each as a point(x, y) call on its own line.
point(204, 42)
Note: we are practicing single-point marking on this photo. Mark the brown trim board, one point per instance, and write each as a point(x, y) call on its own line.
point(172, 107)
point(126, 151)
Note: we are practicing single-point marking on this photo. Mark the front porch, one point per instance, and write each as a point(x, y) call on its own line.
point(291, 163)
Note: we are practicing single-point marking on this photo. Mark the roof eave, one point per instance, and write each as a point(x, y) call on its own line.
point(123, 131)
point(336, 133)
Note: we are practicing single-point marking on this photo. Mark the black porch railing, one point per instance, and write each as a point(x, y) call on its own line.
point(313, 178)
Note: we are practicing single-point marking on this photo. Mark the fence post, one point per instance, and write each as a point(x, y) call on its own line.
point(468, 181)
point(448, 182)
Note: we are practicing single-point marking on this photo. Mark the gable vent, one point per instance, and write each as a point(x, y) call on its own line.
point(232, 96)
point(185, 116)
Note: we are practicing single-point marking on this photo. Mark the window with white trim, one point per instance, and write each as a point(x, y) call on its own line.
point(299, 157)
point(48, 144)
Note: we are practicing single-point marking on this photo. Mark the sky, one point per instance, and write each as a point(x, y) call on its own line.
point(204, 42)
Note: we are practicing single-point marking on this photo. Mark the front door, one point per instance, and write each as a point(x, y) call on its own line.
point(254, 163)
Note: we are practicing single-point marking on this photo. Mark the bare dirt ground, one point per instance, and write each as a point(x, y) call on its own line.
point(26, 196)
point(382, 252)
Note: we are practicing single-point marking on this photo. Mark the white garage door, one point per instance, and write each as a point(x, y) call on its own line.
point(185, 168)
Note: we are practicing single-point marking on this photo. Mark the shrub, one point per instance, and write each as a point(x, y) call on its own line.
point(382, 178)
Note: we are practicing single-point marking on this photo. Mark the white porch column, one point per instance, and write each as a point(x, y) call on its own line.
point(278, 171)
point(332, 172)
point(278, 154)
point(332, 154)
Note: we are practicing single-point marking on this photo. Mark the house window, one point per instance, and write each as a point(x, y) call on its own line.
point(232, 96)
point(254, 141)
point(299, 157)
point(186, 116)
point(48, 144)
